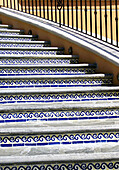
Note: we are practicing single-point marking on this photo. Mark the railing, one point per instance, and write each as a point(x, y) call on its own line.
point(98, 18)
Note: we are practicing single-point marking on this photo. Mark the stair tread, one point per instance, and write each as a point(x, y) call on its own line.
point(23, 42)
point(55, 158)
point(98, 75)
point(60, 106)
point(59, 90)
point(12, 30)
point(32, 48)
point(54, 65)
point(5, 25)
point(20, 36)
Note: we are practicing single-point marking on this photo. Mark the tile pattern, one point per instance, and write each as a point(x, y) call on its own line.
point(53, 82)
point(17, 39)
point(24, 45)
point(15, 61)
point(58, 139)
point(45, 71)
point(65, 166)
point(24, 116)
point(10, 33)
point(58, 97)
point(30, 52)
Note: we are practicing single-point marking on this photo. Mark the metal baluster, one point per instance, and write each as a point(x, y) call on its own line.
point(86, 16)
point(95, 20)
point(59, 7)
point(47, 10)
point(43, 9)
point(72, 14)
point(25, 6)
point(106, 20)
point(63, 13)
point(116, 23)
point(68, 13)
point(10, 3)
point(32, 8)
point(81, 16)
point(7, 3)
point(76, 15)
point(111, 21)
point(40, 7)
point(36, 7)
point(55, 11)
point(29, 5)
point(51, 11)
point(18, 5)
point(90, 17)
point(100, 21)
point(21, 6)
point(3, 3)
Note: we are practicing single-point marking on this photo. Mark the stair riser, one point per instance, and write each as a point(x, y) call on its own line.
point(17, 39)
point(53, 116)
point(58, 139)
point(83, 165)
point(25, 45)
point(45, 71)
point(29, 61)
point(53, 82)
point(11, 33)
point(30, 52)
point(58, 97)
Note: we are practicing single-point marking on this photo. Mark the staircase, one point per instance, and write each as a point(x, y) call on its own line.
point(55, 112)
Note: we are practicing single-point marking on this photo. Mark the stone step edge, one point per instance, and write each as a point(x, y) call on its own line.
point(58, 129)
point(5, 26)
point(50, 65)
point(87, 76)
point(18, 36)
point(25, 42)
point(96, 148)
point(60, 106)
point(42, 56)
point(54, 90)
point(57, 158)
point(32, 48)
point(12, 30)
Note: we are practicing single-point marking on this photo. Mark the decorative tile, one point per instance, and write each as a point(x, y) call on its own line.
point(65, 166)
point(58, 139)
point(46, 71)
point(35, 60)
point(24, 116)
point(24, 45)
point(19, 39)
point(79, 96)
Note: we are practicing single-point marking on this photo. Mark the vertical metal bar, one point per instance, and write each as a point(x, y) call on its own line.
point(21, 6)
point(47, 10)
point(7, 3)
point(10, 3)
point(100, 20)
point(18, 5)
point(40, 7)
point(25, 6)
point(86, 16)
point(14, 5)
point(29, 6)
point(3, 3)
point(111, 22)
point(81, 16)
point(90, 17)
point(68, 13)
point(63, 12)
point(36, 7)
point(55, 11)
point(60, 18)
point(51, 12)
point(95, 20)
point(76, 15)
point(43, 9)
point(32, 8)
point(116, 23)
point(72, 14)
point(106, 20)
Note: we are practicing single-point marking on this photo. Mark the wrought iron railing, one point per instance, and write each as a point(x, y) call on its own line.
point(98, 18)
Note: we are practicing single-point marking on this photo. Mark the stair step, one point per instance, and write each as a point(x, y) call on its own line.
point(58, 94)
point(18, 37)
point(24, 43)
point(62, 135)
point(4, 26)
point(82, 161)
point(55, 80)
point(11, 32)
point(31, 50)
point(72, 69)
point(39, 59)
point(56, 114)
